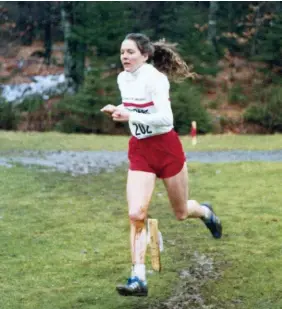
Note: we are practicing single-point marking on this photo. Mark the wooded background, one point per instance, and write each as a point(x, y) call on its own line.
point(234, 46)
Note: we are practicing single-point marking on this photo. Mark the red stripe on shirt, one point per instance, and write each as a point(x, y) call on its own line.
point(138, 105)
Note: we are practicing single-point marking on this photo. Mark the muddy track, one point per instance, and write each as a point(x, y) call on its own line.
point(187, 293)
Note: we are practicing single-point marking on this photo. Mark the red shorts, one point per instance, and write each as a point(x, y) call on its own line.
point(161, 154)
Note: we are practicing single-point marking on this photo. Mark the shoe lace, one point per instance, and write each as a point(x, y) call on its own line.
point(135, 282)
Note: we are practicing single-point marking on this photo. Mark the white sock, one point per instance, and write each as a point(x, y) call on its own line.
point(208, 212)
point(139, 270)
point(132, 271)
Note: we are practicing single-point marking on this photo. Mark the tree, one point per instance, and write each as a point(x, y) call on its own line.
point(212, 24)
point(74, 48)
point(26, 22)
point(258, 20)
point(47, 23)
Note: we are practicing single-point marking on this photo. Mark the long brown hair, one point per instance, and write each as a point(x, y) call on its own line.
point(164, 56)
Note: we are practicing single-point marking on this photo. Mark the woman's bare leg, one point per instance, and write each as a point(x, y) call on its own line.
point(177, 189)
point(140, 187)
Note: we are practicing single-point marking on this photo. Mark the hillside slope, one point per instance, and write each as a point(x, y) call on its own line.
point(226, 98)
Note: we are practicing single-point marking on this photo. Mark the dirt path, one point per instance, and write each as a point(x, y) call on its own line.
point(85, 162)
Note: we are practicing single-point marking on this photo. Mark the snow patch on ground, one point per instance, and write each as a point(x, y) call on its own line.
point(44, 86)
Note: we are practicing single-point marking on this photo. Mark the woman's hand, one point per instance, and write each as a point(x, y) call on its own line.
point(120, 115)
point(109, 109)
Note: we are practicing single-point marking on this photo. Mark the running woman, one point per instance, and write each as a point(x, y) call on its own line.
point(155, 150)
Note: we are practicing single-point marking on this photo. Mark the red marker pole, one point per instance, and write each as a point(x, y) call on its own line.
point(193, 132)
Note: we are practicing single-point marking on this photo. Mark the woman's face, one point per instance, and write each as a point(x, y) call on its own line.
point(130, 56)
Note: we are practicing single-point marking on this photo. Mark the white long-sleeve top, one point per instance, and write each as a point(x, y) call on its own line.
point(145, 93)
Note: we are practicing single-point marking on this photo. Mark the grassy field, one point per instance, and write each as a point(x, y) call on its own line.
point(58, 141)
point(64, 240)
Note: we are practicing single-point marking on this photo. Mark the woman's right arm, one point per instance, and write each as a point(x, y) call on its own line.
point(110, 109)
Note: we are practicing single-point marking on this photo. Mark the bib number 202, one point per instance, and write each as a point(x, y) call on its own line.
point(141, 129)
